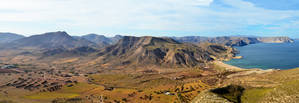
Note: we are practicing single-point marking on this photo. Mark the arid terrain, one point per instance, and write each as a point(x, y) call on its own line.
point(58, 68)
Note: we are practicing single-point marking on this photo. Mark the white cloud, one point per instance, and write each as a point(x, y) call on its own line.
point(147, 15)
point(110, 12)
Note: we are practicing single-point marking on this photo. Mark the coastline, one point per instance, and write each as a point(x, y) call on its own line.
point(242, 71)
point(228, 67)
point(271, 52)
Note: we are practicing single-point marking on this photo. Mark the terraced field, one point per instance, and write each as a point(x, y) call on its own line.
point(174, 86)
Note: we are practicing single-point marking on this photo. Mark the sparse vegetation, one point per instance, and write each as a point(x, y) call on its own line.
point(136, 70)
point(254, 95)
point(6, 101)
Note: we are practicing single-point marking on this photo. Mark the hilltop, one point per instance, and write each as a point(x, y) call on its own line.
point(101, 39)
point(8, 37)
point(49, 40)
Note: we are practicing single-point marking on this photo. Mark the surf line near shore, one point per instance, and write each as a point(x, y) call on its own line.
point(241, 71)
point(227, 66)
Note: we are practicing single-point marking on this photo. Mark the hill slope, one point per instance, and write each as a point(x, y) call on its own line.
point(51, 40)
point(278, 86)
point(8, 37)
point(165, 52)
point(101, 39)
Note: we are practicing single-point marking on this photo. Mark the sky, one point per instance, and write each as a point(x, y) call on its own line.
point(152, 17)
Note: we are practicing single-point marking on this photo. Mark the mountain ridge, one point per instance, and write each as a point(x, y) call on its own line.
point(50, 40)
point(6, 37)
point(234, 40)
point(166, 52)
point(101, 39)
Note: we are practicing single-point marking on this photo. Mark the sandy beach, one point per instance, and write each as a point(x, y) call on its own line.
point(241, 71)
point(228, 67)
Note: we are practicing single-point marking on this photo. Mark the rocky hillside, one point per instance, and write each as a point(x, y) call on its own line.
point(61, 52)
point(8, 37)
point(234, 41)
point(191, 39)
point(165, 52)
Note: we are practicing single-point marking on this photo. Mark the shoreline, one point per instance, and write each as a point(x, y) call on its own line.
point(242, 71)
point(228, 67)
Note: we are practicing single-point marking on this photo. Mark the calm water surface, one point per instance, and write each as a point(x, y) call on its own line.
point(268, 56)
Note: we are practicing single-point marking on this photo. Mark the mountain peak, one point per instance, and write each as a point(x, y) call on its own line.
point(48, 40)
point(58, 33)
point(145, 40)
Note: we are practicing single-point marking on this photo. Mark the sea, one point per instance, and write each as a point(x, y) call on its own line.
point(268, 56)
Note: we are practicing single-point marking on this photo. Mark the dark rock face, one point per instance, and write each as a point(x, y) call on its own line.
point(232, 92)
point(142, 51)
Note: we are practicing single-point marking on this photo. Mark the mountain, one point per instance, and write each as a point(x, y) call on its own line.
point(275, 39)
point(234, 40)
point(116, 38)
point(191, 39)
point(51, 40)
point(102, 40)
point(61, 52)
point(8, 37)
point(99, 39)
point(164, 52)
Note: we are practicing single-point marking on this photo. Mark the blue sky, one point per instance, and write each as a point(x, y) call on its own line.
point(152, 17)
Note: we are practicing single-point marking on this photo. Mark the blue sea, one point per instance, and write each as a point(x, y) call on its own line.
point(268, 56)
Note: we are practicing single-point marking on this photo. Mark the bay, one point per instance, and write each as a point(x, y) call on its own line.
point(268, 56)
